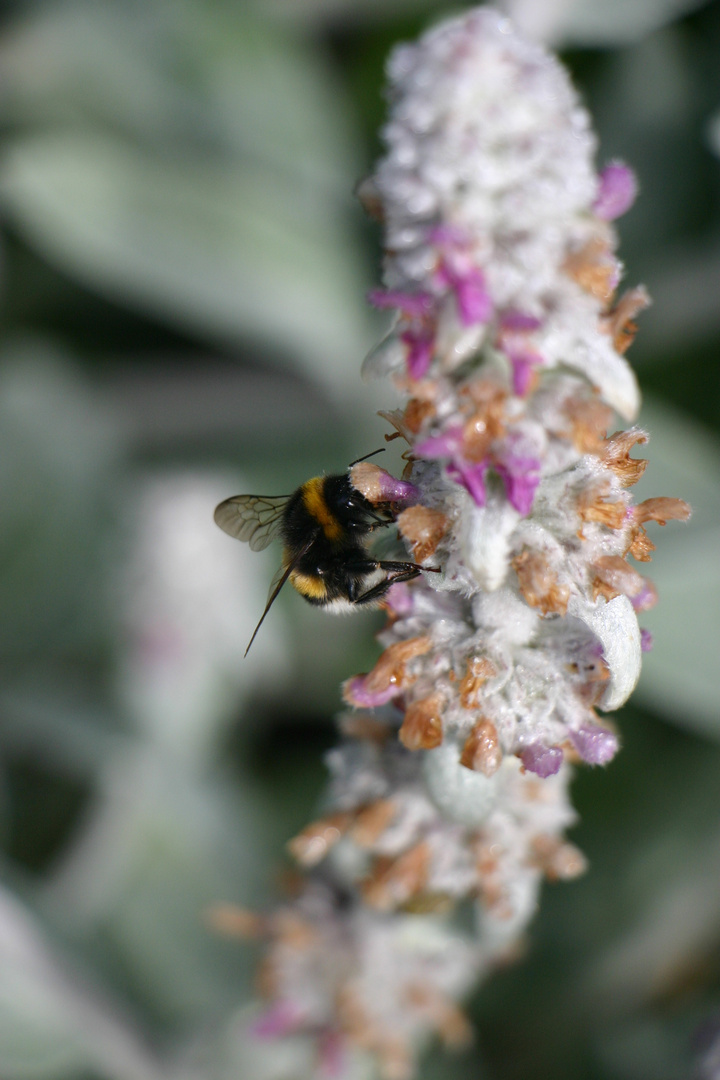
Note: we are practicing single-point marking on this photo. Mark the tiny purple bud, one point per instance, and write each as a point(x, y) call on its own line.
point(331, 1054)
point(594, 744)
point(646, 640)
point(399, 598)
point(447, 236)
point(523, 366)
point(281, 1018)
point(420, 303)
point(356, 693)
point(645, 598)
point(516, 320)
point(618, 188)
point(449, 444)
point(542, 760)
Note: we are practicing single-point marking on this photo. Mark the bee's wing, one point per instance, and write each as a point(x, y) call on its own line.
point(256, 519)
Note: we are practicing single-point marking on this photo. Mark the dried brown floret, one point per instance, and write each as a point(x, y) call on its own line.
point(589, 419)
point(479, 670)
point(594, 268)
point(538, 583)
point(423, 528)
point(482, 751)
point(422, 727)
point(618, 321)
point(616, 455)
point(661, 509)
point(312, 845)
point(393, 881)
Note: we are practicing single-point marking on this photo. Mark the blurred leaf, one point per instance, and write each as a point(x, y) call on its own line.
point(350, 11)
point(163, 846)
point(595, 22)
point(195, 163)
point(210, 77)
point(231, 254)
point(52, 1026)
point(681, 675)
point(58, 453)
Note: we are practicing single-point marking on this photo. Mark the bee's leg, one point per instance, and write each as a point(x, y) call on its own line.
point(380, 522)
point(396, 572)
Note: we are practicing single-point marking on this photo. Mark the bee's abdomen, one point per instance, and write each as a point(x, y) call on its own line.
point(310, 586)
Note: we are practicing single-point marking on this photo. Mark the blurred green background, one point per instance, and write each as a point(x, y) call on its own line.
point(182, 279)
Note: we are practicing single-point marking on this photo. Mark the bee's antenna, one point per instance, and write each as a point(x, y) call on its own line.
point(269, 604)
point(366, 456)
point(273, 596)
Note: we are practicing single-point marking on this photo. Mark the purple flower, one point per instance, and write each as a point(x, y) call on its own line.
point(542, 760)
point(521, 475)
point(473, 299)
point(447, 444)
point(279, 1019)
point(331, 1054)
point(399, 598)
point(518, 321)
point(457, 271)
point(523, 363)
point(419, 304)
point(617, 191)
point(356, 693)
point(595, 744)
point(472, 477)
point(420, 344)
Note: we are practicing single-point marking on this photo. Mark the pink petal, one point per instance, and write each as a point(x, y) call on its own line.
point(420, 303)
point(356, 692)
point(474, 303)
point(595, 744)
point(472, 477)
point(448, 444)
point(523, 365)
point(281, 1018)
point(617, 191)
point(515, 320)
point(521, 476)
point(420, 351)
point(544, 761)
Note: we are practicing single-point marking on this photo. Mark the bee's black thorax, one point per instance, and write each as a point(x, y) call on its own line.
point(325, 529)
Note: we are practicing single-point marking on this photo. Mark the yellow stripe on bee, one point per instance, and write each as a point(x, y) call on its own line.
point(308, 585)
point(317, 507)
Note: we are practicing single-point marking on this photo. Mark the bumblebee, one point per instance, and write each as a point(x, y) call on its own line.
point(325, 526)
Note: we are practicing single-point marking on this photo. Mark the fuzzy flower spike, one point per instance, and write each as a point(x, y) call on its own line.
point(450, 785)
